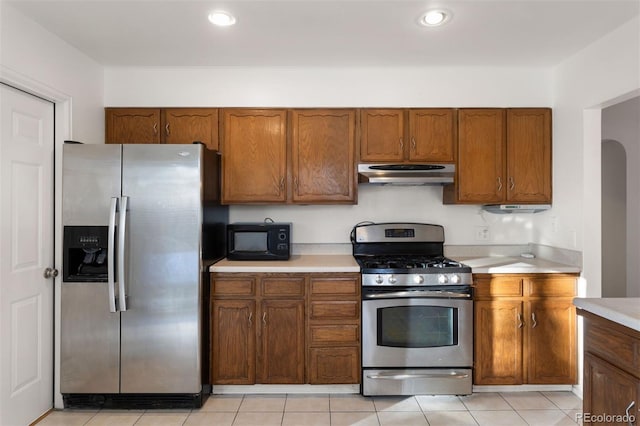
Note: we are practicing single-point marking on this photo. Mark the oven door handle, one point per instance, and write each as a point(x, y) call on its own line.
point(396, 376)
point(431, 294)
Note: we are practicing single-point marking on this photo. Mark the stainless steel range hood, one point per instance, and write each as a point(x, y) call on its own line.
point(406, 174)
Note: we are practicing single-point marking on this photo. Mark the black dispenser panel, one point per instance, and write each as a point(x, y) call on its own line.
point(85, 254)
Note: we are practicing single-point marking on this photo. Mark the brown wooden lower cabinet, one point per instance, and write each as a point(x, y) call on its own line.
point(525, 329)
point(611, 393)
point(285, 328)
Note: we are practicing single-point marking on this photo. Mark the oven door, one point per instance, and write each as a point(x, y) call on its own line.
point(420, 328)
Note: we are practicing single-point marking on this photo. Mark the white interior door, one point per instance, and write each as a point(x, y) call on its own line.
point(26, 250)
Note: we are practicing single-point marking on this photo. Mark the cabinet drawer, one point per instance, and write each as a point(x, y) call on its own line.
point(603, 338)
point(334, 365)
point(283, 287)
point(325, 310)
point(327, 334)
point(498, 286)
point(549, 286)
point(343, 286)
point(233, 287)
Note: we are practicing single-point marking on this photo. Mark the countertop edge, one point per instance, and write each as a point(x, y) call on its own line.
point(624, 310)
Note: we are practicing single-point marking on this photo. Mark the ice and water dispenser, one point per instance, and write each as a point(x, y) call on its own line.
point(85, 254)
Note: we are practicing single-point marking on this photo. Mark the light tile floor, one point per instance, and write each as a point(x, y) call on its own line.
point(506, 408)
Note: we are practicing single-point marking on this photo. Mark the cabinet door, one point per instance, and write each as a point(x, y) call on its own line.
point(498, 342)
point(132, 125)
point(233, 345)
point(550, 341)
point(188, 125)
point(529, 155)
point(254, 156)
point(432, 134)
point(608, 391)
point(323, 155)
point(480, 171)
point(282, 342)
point(382, 135)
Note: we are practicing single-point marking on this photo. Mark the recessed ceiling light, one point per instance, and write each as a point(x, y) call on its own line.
point(433, 18)
point(221, 19)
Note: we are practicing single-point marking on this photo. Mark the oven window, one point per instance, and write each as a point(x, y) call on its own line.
point(417, 326)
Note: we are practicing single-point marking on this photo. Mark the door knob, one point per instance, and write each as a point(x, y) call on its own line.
point(50, 273)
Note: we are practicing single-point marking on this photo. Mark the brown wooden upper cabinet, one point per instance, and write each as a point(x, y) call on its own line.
point(314, 165)
point(162, 125)
point(408, 135)
point(504, 156)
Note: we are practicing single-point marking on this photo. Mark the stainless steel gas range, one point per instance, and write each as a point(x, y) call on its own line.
point(417, 311)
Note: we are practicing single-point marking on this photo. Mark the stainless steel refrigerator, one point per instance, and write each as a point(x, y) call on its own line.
point(139, 224)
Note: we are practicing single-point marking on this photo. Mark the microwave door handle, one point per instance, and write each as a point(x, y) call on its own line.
point(111, 254)
point(430, 294)
point(122, 297)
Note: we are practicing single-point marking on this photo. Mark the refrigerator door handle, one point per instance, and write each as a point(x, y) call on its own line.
point(111, 255)
point(122, 297)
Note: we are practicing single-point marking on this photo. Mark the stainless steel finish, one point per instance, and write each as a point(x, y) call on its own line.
point(161, 329)
point(122, 255)
point(417, 381)
point(516, 208)
point(441, 176)
point(50, 273)
point(375, 233)
point(374, 355)
point(90, 333)
point(415, 279)
point(437, 294)
point(150, 341)
point(111, 248)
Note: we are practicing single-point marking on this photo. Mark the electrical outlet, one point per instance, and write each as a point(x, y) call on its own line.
point(482, 233)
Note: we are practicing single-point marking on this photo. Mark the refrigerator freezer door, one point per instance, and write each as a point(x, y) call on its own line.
point(90, 333)
point(161, 330)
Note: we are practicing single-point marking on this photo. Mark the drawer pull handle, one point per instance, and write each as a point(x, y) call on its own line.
point(264, 318)
point(533, 318)
point(499, 184)
point(521, 324)
point(250, 317)
point(629, 415)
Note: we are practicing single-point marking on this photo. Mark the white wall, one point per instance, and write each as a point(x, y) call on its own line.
point(621, 123)
point(349, 87)
point(600, 75)
point(33, 55)
point(37, 61)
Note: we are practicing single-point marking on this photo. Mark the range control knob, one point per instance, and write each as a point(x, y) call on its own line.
point(379, 279)
point(442, 279)
point(455, 279)
point(392, 279)
point(418, 279)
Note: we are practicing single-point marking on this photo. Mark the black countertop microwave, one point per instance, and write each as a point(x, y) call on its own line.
point(258, 241)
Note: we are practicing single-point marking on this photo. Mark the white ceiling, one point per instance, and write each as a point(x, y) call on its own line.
point(329, 33)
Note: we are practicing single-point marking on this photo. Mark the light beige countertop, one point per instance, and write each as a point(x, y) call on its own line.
point(515, 265)
point(623, 310)
point(297, 263)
